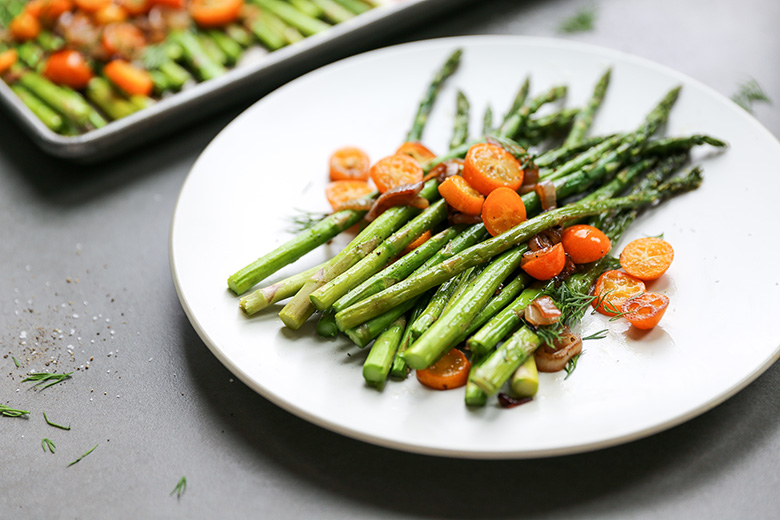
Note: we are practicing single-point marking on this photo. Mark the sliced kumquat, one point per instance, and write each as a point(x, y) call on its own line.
point(451, 371)
point(417, 243)
point(68, 67)
point(349, 164)
point(647, 258)
point(645, 310)
point(395, 170)
point(488, 167)
point(131, 79)
point(24, 27)
point(612, 290)
point(503, 210)
point(339, 193)
point(458, 194)
point(585, 243)
point(215, 13)
point(7, 58)
point(416, 151)
point(545, 263)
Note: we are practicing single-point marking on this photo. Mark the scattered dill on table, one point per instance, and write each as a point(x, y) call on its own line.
point(80, 458)
point(7, 411)
point(582, 21)
point(180, 488)
point(748, 93)
point(55, 424)
point(47, 443)
point(44, 377)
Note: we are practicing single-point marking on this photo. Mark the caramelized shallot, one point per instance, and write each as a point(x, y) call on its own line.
point(549, 359)
point(462, 218)
point(542, 311)
point(404, 195)
point(507, 401)
point(546, 192)
point(445, 170)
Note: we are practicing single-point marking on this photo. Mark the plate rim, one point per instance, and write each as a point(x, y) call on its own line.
point(362, 436)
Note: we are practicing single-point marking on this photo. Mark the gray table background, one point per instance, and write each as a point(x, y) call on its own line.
point(85, 268)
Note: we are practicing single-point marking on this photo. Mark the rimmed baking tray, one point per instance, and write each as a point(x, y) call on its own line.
point(251, 77)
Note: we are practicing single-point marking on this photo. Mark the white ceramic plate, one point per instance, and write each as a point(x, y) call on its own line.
point(717, 336)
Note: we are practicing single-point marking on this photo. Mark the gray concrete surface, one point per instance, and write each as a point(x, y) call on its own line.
point(84, 259)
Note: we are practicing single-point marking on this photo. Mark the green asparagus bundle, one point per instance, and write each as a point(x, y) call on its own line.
point(466, 289)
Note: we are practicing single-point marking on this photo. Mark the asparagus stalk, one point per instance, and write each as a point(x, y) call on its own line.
point(525, 380)
point(584, 119)
point(487, 121)
point(466, 238)
point(239, 35)
point(265, 30)
point(365, 333)
point(623, 145)
point(298, 310)
point(327, 295)
point(308, 7)
point(558, 156)
point(435, 306)
point(103, 95)
point(400, 368)
point(289, 252)
point(426, 105)
point(673, 145)
point(454, 322)
point(326, 326)
point(474, 396)
point(193, 52)
point(519, 101)
point(354, 6)
point(72, 107)
point(304, 23)
point(491, 375)
point(49, 117)
point(475, 255)
point(516, 121)
point(334, 12)
point(380, 359)
point(211, 48)
point(262, 298)
point(398, 270)
point(229, 47)
point(460, 134)
point(502, 323)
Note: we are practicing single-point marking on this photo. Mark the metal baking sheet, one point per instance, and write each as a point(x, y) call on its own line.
point(253, 76)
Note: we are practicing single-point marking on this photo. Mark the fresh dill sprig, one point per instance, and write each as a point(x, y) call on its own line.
point(571, 365)
point(582, 21)
point(303, 220)
point(42, 377)
point(7, 411)
point(16, 361)
point(80, 458)
point(180, 488)
point(572, 304)
point(55, 424)
point(47, 443)
point(597, 335)
point(748, 93)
